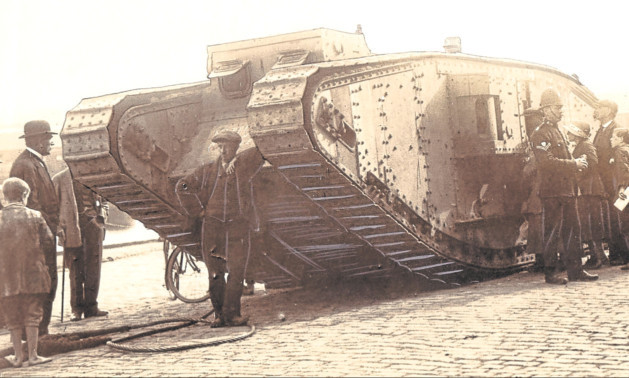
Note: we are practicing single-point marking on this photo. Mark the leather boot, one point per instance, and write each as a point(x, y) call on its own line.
point(237, 321)
point(583, 276)
point(553, 278)
point(556, 280)
point(600, 254)
point(218, 321)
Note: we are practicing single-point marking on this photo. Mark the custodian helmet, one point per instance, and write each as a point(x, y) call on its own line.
point(549, 98)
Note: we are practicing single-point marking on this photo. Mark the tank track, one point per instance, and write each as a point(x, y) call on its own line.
point(369, 212)
point(87, 149)
point(288, 148)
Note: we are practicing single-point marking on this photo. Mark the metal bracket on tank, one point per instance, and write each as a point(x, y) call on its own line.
point(291, 58)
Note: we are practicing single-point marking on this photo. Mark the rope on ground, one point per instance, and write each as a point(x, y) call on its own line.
point(116, 343)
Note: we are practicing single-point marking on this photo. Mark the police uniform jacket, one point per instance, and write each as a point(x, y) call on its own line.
point(210, 192)
point(533, 204)
point(589, 179)
point(620, 167)
point(68, 214)
point(24, 233)
point(603, 144)
point(43, 197)
point(556, 167)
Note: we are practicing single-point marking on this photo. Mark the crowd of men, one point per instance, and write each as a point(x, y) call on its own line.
point(575, 183)
point(39, 210)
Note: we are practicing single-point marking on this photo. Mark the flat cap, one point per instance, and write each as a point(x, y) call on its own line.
point(35, 128)
point(227, 136)
point(580, 129)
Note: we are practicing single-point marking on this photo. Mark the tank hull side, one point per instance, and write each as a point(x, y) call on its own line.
point(286, 144)
point(375, 113)
point(401, 125)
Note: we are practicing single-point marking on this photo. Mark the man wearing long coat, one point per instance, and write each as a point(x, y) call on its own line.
point(30, 167)
point(220, 193)
point(83, 226)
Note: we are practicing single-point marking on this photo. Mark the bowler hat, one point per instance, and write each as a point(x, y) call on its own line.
point(35, 128)
point(227, 136)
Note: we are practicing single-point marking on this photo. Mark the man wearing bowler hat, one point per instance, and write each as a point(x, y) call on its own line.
point(220, 193)
point(30, 167)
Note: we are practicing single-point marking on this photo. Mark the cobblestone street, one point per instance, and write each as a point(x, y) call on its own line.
point(514, 326)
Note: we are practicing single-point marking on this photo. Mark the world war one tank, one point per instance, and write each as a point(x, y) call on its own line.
point(376, 166)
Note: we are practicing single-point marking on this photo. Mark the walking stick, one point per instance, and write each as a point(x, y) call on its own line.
point(63, 280)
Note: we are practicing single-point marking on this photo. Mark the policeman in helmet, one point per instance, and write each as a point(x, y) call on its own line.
point(558, 191)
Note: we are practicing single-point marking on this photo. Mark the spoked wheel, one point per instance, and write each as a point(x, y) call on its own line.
point(187, 277)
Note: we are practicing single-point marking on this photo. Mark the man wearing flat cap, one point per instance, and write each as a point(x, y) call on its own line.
point(220, 193)
point(30, 167)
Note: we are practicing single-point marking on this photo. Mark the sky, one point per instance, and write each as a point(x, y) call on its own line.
point(55, 53)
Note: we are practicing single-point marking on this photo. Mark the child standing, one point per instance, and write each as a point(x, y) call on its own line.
point(24, 278)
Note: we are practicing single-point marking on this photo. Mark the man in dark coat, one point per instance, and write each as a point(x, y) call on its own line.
point(591, 194)
point(30, 167)
point(0, 201)
point(605, 114)
point(84, 228)
point(221, 194)
point(620, 166)
point(558, 191)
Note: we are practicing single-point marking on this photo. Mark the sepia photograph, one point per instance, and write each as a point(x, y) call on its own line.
point(291, 188)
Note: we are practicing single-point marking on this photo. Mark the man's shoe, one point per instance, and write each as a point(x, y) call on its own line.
point(593, 264)
point(217, 322)
point(95, 313)
point(237, 321)
point(247, 290)
point(616, 262)
point(584, 276)
point(556, 280)
point(75, 317)
point(624, 267)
